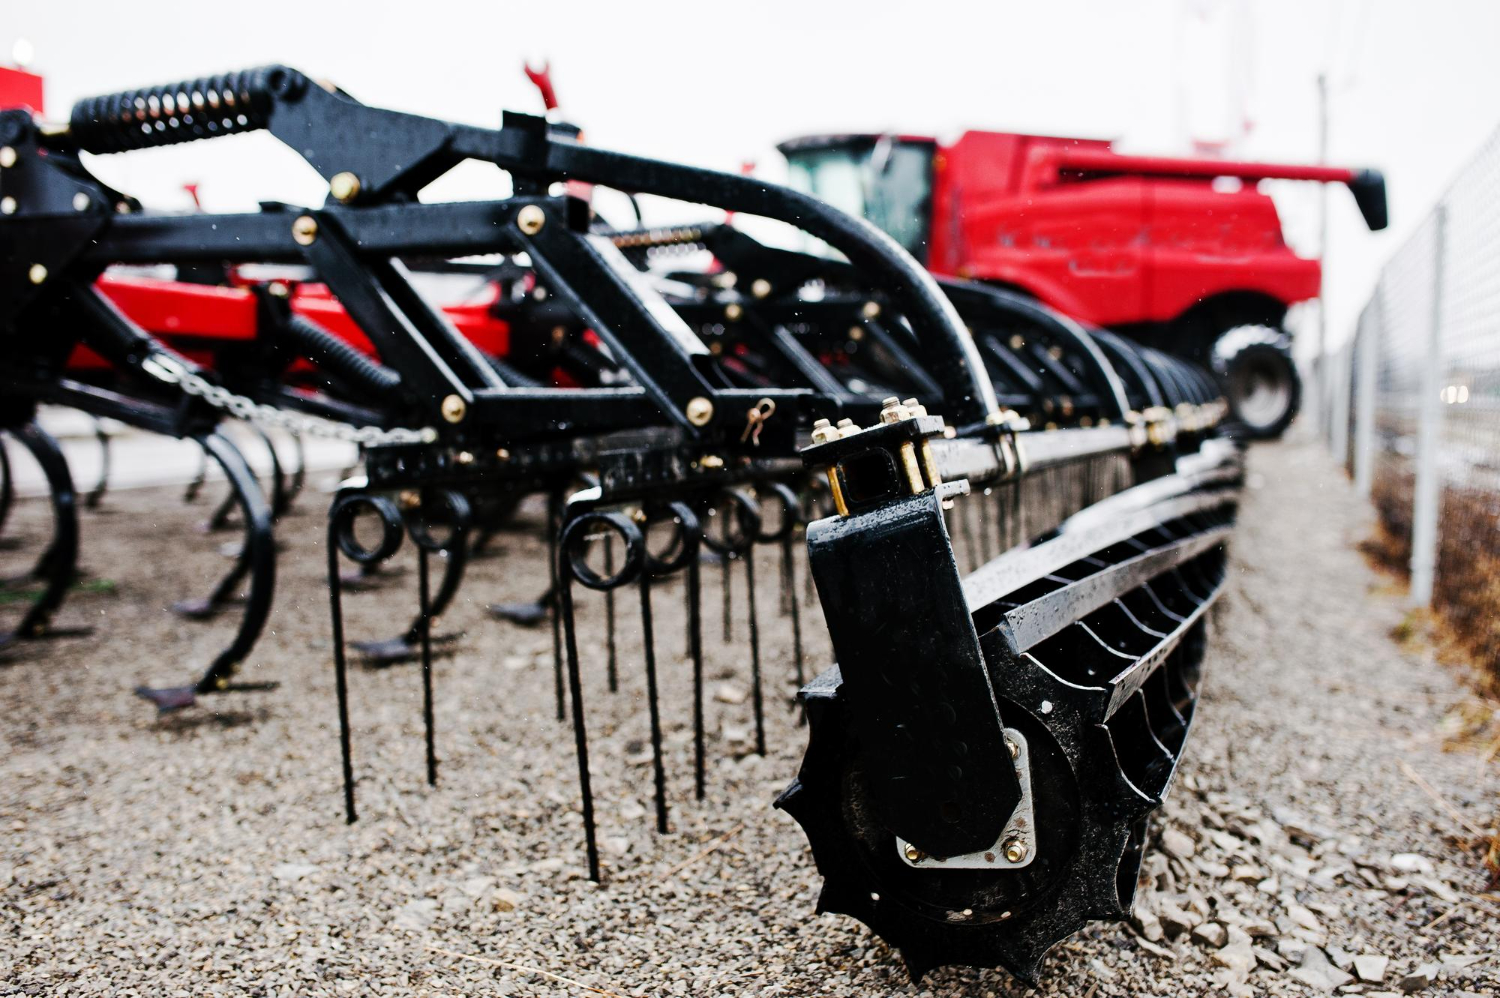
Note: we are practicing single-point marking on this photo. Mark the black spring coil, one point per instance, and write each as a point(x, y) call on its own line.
point(181, 112)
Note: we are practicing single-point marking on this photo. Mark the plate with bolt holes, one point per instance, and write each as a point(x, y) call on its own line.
point(1016, 846)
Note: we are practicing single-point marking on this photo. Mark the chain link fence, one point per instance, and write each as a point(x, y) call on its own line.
point(1413, 408)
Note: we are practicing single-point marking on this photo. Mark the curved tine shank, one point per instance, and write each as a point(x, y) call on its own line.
point(257, 559)
point(58, 565)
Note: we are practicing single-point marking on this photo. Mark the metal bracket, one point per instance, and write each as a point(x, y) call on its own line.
point(1018, 838)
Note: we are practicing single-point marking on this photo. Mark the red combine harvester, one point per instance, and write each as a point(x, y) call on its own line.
point(1182, 254)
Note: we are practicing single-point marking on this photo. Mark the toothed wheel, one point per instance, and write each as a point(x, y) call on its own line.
point(1090, 833)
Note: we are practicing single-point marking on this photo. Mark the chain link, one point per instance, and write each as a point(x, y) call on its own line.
point(168, 369)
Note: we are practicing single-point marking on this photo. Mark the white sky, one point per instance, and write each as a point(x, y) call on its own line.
point(1415, 84)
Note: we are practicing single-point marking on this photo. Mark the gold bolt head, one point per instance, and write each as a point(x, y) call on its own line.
point(305, 230)
point(7, 205)
point(699, 411)
point(464, 457)
point(856, 333)
point(1015, 850)
point(344, 187)
point(871, 310)
point(710, 462)
point(454, 409)
point(733, 311)
point(1013, 748)
point(410, 499)
point(7, 156)
point(892, 411)
point(501, 454)
point(37, 273)
point(760, 287)
point(530, 219)
point(913, 854)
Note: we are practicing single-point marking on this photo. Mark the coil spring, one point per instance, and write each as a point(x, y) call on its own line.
point(182, 112)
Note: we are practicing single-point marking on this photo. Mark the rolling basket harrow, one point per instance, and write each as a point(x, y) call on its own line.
point(1014, 524)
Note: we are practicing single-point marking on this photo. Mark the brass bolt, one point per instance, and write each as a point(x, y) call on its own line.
point(530, 219)
point(7, 156)
point(501, 454)
point(1015, 850)
point(914, 407)
point(823, 431)
point(454, 409)
point(7, 205)
point(305, 230)
point(760, 287)
point(710, 462)
point(913, 469)
point(847, 428)
point(638, 515)
point(81, 201)
point(1014, 749)
point(892, 411)
point(856, 333)
point(344, 187)
point(37, 273)
point(410, 499)
point(913, 854)
point(871, 310)
point(464, 457)
point(733, 311)
point(699, 411)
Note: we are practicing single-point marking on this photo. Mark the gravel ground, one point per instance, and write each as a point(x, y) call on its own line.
point(206, 853)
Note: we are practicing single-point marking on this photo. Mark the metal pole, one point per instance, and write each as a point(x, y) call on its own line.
point(1320, 364)
point(1367, 359)
point(1427, 493)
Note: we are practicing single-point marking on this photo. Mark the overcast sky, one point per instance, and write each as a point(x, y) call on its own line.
point(1415, 85)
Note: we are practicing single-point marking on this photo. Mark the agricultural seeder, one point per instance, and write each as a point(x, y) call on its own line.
point(1014, 526)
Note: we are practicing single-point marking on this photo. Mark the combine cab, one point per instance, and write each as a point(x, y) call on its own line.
point(1182, 254)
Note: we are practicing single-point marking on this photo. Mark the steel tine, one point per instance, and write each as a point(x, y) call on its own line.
point(580, 731)
point(756, 697)
point(424, 609)
point(649, 645)
point(340, 668)
point(726, 588)
point(695, 650)
point(609, 616)
point(553, 526)
point(96, 494)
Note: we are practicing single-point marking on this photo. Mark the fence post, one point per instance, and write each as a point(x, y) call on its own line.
point(1371, 340)
point(1427, 493)
point(1342, 372)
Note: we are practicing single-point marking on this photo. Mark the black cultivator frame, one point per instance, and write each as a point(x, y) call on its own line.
point(1000, 722)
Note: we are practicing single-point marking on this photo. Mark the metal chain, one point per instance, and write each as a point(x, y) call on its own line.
point(168, 369)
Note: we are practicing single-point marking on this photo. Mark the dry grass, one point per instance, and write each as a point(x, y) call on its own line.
point(1463, 626)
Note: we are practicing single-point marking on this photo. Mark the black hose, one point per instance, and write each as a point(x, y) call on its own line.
point(340, 359)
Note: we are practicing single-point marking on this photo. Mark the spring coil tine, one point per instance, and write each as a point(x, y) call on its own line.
point(182, 112)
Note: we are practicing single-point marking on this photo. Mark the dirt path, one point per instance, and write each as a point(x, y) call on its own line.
point(206, 854)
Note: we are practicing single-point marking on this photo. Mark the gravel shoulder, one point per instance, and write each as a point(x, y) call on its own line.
point(206, 853)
